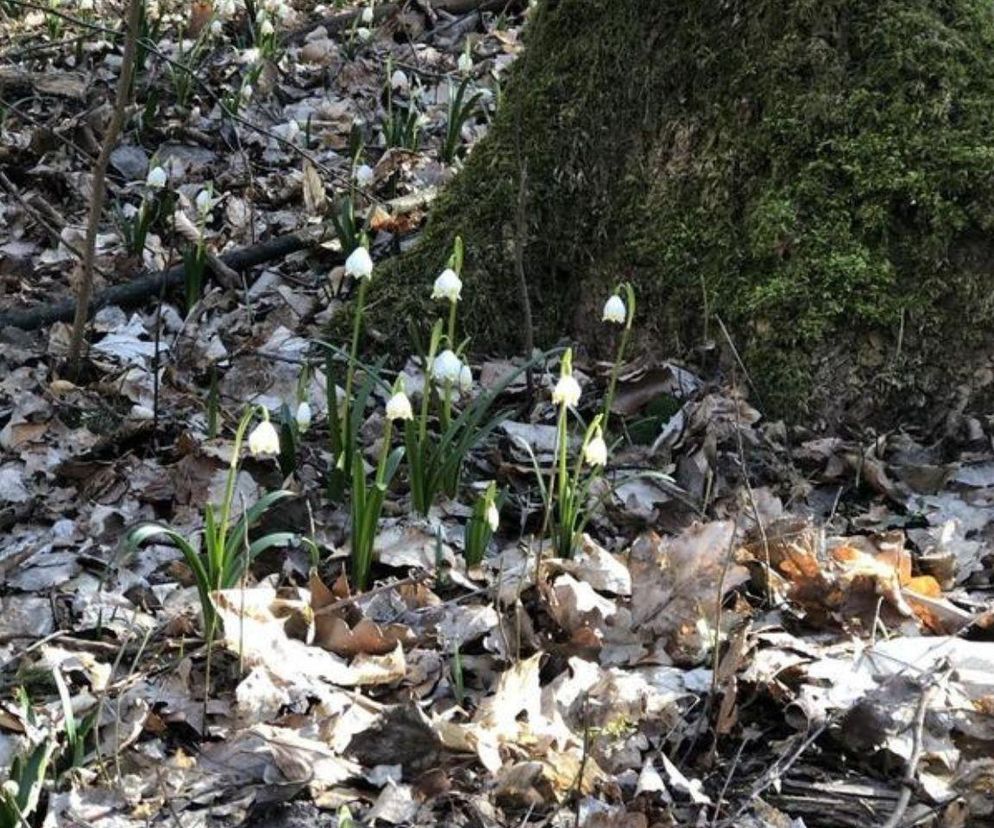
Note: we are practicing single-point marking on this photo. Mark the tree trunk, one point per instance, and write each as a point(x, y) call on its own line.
point(814, 174)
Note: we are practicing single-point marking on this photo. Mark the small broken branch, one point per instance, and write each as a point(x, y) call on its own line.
point(99, 186)
point(140, 288)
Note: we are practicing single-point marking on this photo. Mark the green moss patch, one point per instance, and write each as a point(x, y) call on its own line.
point(817, 174)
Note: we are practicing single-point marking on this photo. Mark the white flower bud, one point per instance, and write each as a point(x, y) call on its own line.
point(399, 81)
point(86, 5)
point(363, 175)
point(399, 407)
point(304, 416)
point(204, 202)
point(363, 33)
point(266, 29)
point(264, 441)
point(614, 310)
point(567, 391)
point(157, 178)
point(447, 286)
point(359, 265)
point(217, 28)
point(493, 517)
point(595, 452)
point(246, 93)
point(447, 367)
point(465, 63)
point(465, 378)
point(367, 15)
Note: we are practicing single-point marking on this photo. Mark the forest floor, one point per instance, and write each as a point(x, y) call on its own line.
point(761, 625)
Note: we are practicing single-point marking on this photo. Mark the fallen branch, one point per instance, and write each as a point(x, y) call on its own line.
point(141, 287)
point(345, 20)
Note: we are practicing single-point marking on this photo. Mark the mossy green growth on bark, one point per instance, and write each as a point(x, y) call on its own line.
point(818, 174)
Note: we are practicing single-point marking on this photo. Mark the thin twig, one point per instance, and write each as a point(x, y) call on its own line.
point(911, 767)
point(99, 186)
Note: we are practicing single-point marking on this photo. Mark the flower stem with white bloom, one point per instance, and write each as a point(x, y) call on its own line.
point(359, 266)
point(616, 311)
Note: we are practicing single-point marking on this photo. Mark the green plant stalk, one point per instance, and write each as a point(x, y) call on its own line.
point(620, 356)
point(353, 355)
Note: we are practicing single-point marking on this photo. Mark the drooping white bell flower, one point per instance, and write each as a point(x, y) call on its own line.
point(447, 286)
point(246, 93)
point(266, 29)
point(614, 310)
point(86, 5)
point(359, 265)
point(363, 175)
point(304, 416)
point(204, 202)
point(264, 441)
point(367, 15)
point(595, 452)
point(566, 392)
point(465, 378)
point(217, 28)
point(399, 407)
point(493, 517)
point(447, 367)
point(157, 178)
point(399, 81)
point(364, 33)
point(465, 63)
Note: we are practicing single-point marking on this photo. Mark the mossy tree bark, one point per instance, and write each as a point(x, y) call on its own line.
point(818, 174)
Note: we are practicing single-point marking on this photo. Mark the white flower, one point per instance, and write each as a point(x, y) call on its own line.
point(204, 202)
point(447, 286)
point(363, 175)
point(614, 310)
point(225, 8)
point(447, 367)
point(465, 378)
point(595, 452)
point(367, 15)
point(266, 29)
point(358, 265)
point(11, 788)
point(363, 33)
point(217, 28)
point(567, 391)
point(303, 416)
point(493, 517)
point(260, 15)
point(465, 63)
point(157, 178)
point(86, 5)
point(399, 81)
point(264, 441)
point(246, 93)
point(290, 131)
point(399, 407)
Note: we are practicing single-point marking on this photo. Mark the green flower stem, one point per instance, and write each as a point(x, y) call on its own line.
point(381, 468)
point(353, 354)
point(619, 358)
point(452, 324)
point(229, 491)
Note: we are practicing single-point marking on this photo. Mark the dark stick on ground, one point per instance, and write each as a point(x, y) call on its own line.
point(144, 286)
